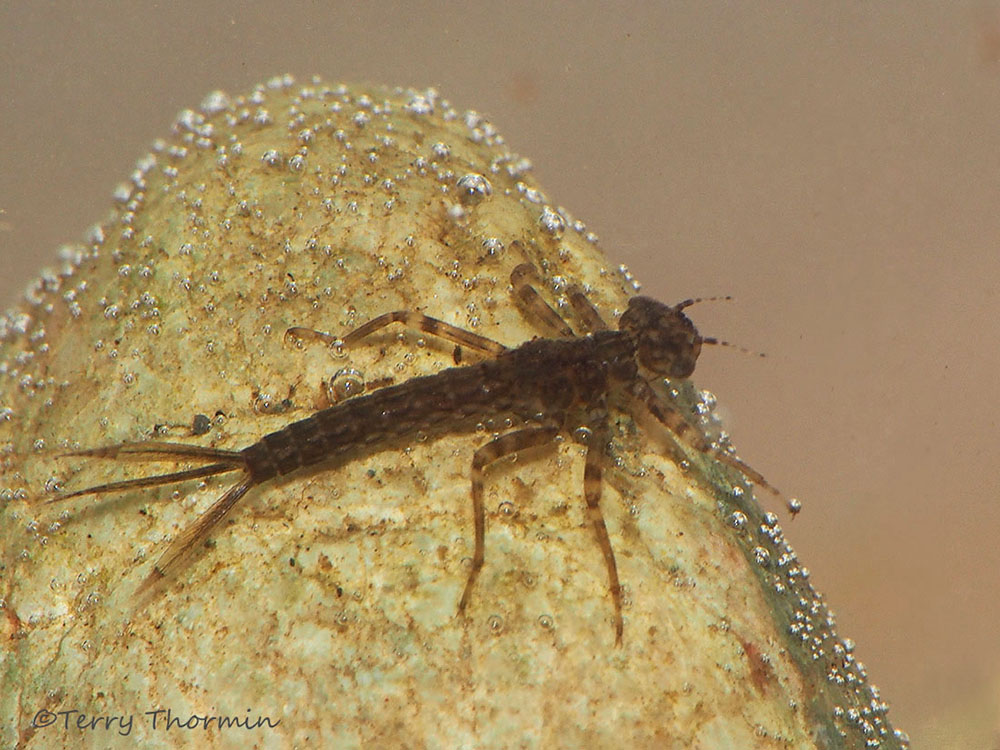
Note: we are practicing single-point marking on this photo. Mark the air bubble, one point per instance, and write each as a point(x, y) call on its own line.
point(345, 383)
point(263, 404)
point(337, 349)
point(493, 246)
point(473, 188)
point(272, 158)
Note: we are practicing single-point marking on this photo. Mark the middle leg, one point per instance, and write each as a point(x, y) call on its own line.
point(523, 279)
point(496, 449)
point(592, 476)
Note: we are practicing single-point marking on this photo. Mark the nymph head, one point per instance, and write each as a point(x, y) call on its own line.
point(667, 343)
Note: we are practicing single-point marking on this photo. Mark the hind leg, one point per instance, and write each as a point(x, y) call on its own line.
point(410, 318)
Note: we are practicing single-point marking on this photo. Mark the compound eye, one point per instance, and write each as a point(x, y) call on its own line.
point(683, 367)
point(671, 354)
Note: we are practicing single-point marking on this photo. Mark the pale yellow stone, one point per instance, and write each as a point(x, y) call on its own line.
point(327, 601)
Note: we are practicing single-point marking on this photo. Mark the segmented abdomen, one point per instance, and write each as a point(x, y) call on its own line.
point(543, 376)
point(417, 405)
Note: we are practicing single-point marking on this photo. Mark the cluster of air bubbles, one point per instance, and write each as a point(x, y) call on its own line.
point(421, 103)
point(706, 402)
point(122, 192)
point(813, 625)
point(480, 129)
point(552, 222)
point(532, 195)
point(421, 164)
point(95, 235)
point(279, 83)
point(215, 102)
point(519, 167)
point(193, 124)
point(761, 556)
point(629, 278)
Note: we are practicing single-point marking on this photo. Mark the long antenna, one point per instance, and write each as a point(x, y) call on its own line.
point(717, 342)
point(711, 339)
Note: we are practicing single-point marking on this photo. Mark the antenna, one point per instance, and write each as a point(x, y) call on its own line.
point(717, 342)
point(711, 339)
point(696, 300)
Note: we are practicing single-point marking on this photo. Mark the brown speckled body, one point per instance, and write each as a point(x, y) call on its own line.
point(541, 380)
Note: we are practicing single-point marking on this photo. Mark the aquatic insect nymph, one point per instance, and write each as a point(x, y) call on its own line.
point(554, 384)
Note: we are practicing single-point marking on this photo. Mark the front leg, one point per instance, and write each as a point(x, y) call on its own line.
point(685, 433)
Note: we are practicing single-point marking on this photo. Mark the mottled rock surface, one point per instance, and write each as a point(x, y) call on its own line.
point(323, 613)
